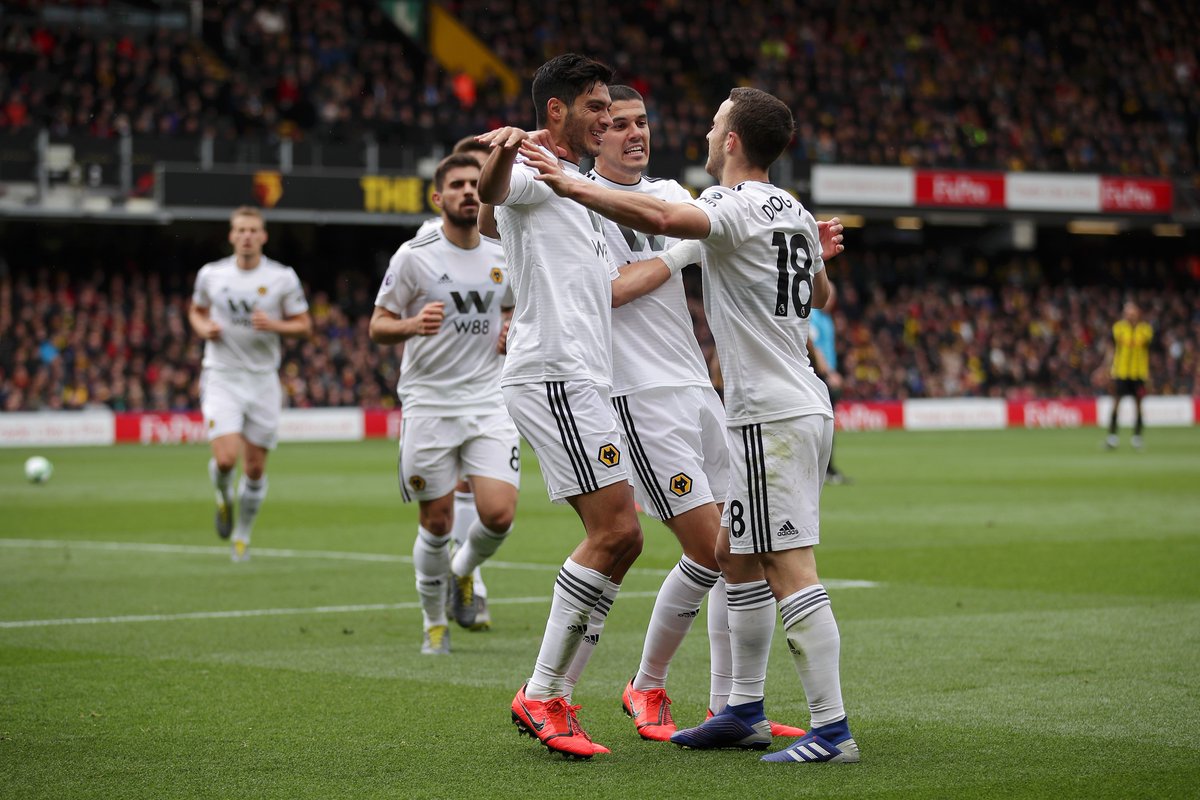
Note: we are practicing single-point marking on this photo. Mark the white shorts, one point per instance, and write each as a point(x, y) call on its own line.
point(241, 402)
point(678, 455)
point(572, 428)
point(777, 470)
point(435, 451)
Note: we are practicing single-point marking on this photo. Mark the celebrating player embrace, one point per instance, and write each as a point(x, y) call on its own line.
point(763, 266)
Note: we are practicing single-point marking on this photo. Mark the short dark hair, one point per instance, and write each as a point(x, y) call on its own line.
point(469, 144)
point(566, 77)
point(452, 161)
point(622, 92)
point(763, 122)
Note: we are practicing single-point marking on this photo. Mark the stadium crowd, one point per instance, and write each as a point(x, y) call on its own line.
point(1107, 88)
point(1110, 87)
point(121, 340)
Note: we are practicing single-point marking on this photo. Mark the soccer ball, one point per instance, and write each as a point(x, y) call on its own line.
point(38, 469)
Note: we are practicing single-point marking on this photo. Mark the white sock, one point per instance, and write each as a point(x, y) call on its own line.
point(577, 590)
point(816, 644)
point(675, 610)
point(466, 515)
point(221, 481)
point(250, 497)
point(431, 561)
point(482, 543)
point(595, 627)
point(751, 626)
point(720, 656)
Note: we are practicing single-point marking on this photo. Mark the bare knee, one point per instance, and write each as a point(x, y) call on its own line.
point(225, 451)
point(437, 516)
point(255, 461)
point(437, 524)
point(497, 519)
point(623, 540)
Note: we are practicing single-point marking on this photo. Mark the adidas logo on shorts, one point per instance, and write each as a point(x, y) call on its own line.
point(787, 529)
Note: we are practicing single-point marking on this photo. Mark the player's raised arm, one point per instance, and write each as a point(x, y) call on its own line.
point(638, 211)
point(497, 170)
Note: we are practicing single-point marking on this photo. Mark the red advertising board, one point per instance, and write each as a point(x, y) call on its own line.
point(381, 424)
point(960, 189)
point(869, 416)
point(160, 428)
point(1136, 195)
point(1067, 413)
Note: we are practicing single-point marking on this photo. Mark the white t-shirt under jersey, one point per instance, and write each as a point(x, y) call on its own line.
point(232, 295)
point(654, 343)
point(455, 372)
point(758, 263)
point(562, 285)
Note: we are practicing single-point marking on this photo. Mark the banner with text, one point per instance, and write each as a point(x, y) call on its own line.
point(1070, 193)
point(299, 191)
point(99, 427)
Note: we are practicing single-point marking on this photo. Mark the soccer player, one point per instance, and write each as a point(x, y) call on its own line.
point(241, 306)
point(763, 272)
point(469, 598)
point(1130, 369)
point(445, 292)
point(558, 377)
point(674, 430)
point(823, 354)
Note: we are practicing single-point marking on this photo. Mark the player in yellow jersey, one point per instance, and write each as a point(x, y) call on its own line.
point(1130, 369)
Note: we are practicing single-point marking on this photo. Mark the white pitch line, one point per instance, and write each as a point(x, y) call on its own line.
point(324, 555)
point(265, 612)
point(179, 549)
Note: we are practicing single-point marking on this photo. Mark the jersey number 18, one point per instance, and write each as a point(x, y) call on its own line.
point(801, 283)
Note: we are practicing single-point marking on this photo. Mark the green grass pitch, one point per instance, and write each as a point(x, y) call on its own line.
point(1020, 617)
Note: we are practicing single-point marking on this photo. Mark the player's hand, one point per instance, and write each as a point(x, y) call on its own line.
point(261, 321)
point(546, 140)
point(509, 138)
point(210, 330)
point(834, 379)
point(429, 319)
point(549, 168)
point(831, 237)
point(502, 341)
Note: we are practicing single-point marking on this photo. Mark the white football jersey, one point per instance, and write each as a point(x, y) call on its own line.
point(562, 285)
point(654, 343)
point(455, 372)
point(232, 295)
point(436, 224)
point(428, 226)
point(759, 259)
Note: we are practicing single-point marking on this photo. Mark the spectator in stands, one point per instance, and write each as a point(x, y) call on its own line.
point(1109, 88)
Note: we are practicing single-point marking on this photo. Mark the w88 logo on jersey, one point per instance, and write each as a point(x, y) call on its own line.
point(472, 326)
